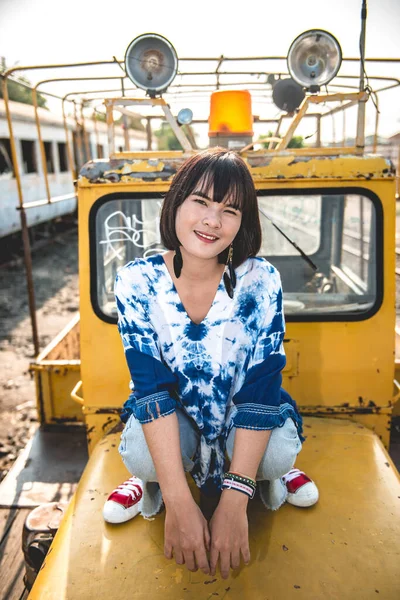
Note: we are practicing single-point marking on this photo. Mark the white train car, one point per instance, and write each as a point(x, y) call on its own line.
point(60, 177)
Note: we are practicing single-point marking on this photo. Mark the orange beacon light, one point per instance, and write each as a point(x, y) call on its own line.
point(231, 119)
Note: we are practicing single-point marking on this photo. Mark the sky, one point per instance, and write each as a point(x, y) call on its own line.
point(51, 32)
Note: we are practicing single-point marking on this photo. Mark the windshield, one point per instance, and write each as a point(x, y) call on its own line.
point(338, 230)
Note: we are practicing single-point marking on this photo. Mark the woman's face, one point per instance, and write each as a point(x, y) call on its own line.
point(205, 228)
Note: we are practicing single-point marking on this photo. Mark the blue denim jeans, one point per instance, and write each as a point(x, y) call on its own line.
point(279, 457)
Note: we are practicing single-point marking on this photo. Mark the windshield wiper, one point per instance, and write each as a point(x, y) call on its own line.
point(299, 250)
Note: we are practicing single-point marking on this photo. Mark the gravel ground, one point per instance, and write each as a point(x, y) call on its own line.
point(55, 274)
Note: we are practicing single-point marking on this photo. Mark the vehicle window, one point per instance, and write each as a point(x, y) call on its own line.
point(28, 156)
point(125, 229)
point(337, 231)
point(298, 216)
point(6, 166)
point(62, 156)
point(48, 150)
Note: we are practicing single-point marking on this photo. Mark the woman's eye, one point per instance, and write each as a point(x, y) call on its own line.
point(200, 201)
point(231, 212)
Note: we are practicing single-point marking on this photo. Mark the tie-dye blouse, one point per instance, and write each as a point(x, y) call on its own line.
point(224, 371)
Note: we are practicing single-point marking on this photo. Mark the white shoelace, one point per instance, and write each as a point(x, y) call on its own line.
point(293, 473)
point(132, 487)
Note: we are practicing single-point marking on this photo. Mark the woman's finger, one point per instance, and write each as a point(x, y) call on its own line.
point(235, 559)
point(214, 554)
point(189, 560)
point(207, 539)
point(168, 551)
point(179, 559)
point(225, 564)
point(202, 561)
point(246, 554)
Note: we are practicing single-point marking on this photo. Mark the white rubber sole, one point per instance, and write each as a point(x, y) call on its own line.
point(115, 513)
point(305, 496)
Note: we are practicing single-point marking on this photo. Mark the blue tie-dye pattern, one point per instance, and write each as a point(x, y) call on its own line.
point(226, 370)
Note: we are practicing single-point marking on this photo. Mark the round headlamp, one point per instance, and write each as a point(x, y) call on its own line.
point(185, 116)
point(314, 58)
point(151, 62)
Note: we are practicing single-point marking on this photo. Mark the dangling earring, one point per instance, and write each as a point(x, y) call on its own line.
point(230, 280)
point(178, 262)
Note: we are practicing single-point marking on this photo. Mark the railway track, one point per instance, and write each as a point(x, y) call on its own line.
point(11, 247)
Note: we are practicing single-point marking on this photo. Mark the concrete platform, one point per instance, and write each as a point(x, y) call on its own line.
point(47, 470)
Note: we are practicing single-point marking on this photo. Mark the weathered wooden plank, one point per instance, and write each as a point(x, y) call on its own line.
point(24, 595)
point(7, 516)
point(12, 560)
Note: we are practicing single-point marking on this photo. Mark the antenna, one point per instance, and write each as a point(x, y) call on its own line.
point(360, 138)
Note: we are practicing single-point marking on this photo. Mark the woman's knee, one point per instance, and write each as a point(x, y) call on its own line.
point(281, 452)
point(135, 452)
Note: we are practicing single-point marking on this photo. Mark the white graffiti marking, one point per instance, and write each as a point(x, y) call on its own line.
point(119, 227)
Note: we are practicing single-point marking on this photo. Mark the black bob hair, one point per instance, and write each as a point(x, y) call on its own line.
point(230, 176)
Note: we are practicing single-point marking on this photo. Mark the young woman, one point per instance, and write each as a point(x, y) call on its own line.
point(202, 327)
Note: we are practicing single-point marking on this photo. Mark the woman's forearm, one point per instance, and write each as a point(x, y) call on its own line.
point(162, 437)
point(248, 450)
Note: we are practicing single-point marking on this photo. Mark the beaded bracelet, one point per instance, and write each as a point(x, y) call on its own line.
point(234, 481)
point(244, 477)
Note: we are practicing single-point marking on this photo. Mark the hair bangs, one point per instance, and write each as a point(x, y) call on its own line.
point(223, 182)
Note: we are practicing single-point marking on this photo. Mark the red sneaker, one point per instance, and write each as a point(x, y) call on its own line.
point(302, 491)
point(124, 502)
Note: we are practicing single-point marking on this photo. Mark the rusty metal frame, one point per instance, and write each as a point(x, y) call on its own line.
point(22, 206)
point(120, 104)
point(217, 73)
point(354, 98)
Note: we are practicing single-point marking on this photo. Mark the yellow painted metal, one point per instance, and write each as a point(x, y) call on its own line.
point(145, 155)
point(71, 162)
point(74, 393)
point(347, 546)
point(41, 146)
point(110, 128)
point(78, 134)
point(336, 363)
point(13, 146)
point(270, 170)
point(24, 222)
point(309, 151)
point(334, 168)
point(128, 101)
point(84, 134)
point(57, 371)
point(396, 402)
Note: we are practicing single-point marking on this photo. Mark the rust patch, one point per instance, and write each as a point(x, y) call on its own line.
point(105, 425)
point(125, 170)
point(107, 411)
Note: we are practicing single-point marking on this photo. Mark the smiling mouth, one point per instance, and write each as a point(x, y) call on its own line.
point(206, 237)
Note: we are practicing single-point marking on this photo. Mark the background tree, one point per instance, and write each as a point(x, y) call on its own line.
point(167, 140)
point(133, 122)
point(18, 92)
point(297, 141)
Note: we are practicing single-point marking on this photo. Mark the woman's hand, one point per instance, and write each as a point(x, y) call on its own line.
point(187, 536)
point(229, 533)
